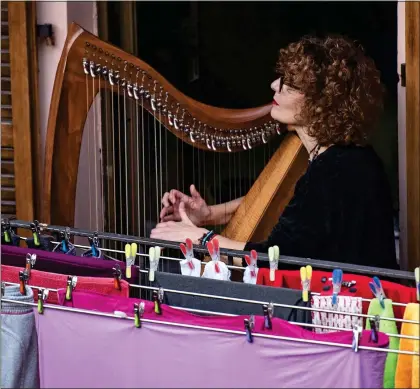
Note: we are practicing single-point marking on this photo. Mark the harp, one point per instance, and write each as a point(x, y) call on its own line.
point(134, 169)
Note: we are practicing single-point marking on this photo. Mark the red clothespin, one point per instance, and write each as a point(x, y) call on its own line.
point(187, 250)
point(214, 251)
point(23, 279)
point(116, 270)
point(251, 261)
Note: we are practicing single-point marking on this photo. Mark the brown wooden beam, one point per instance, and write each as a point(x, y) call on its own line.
point(412, 47)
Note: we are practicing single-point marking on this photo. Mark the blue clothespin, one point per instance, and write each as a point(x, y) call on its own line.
point(417, 277)
point(377, 290)
point(337, 278)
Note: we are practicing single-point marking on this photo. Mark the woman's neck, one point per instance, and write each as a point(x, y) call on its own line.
point(309, 142)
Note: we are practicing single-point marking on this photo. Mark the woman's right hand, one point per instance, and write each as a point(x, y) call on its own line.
point(196, 207)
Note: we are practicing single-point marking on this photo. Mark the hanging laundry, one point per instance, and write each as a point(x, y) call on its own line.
point(407, 372)
point(19, 343)
point(388, 327)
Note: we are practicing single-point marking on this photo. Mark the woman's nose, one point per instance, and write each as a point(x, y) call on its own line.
point(275, 85)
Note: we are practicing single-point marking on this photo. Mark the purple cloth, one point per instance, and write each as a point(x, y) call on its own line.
point(109, 352)
point(58, 263)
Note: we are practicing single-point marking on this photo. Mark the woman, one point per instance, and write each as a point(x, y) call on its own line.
point(330, 93)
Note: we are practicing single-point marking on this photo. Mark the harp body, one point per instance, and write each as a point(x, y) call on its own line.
point(204, 127)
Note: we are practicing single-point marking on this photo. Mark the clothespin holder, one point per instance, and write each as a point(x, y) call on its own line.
point(417, 277)
point(357, 331)
point(305, 278)
point(214, 251)
point(374, 326)
point(337, 279)
point(251, 261)
point(377, 290)
point(249, 326)
point(30, 263)
point(187, 250)
point(154, 256)
point(71, 284)
point(158, 300)
point(23, 279)
point(138, 313)
point(273, 257)
point(117, 273)
point(42, 297)
point(268, 311)
point(130, 257)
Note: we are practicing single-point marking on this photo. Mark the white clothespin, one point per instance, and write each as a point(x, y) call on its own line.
point(215, 269)
point(130, 257)
point(417, 277)
point(30, 263)
point(251, 271)
point(357, 331)
point(190, 265)
point(154, 256)
point(273, 256)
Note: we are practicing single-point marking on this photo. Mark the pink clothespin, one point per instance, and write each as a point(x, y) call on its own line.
point(187, 250)
point(214, 251)
point(251, 261)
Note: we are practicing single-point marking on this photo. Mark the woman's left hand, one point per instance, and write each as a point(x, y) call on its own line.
point(178, 231)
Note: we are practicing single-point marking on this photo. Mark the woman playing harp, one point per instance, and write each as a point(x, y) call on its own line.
point(328, 92)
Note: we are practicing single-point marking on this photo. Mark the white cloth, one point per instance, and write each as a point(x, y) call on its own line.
point(337, 320)
point(210, 271)
point(187, 271)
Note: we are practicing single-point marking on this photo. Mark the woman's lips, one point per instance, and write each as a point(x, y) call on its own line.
point(275, 102)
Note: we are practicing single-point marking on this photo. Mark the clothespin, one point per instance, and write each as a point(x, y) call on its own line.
point(249, 326)
point(154, 256)
point(417, 277)
point(273, 256)
point(30, 263)
point(65, 238)
point(357, 331)
point(138, 313)
point(71, 284)
point(23, 279)
point(42, 297)
point(374, 326)
point(251, 261)
point(187, 250)
point(214, 251)
point(158, 300)
point(268, 311)
point(36, 232)
point(305, 278)
point(7, 230)
point(130, 257)
point(116, 271)
point(337, 278)
point(94, 245)
point(377, 290)
point(3, 288)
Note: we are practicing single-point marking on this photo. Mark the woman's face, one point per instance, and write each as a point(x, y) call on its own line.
point(287, 103)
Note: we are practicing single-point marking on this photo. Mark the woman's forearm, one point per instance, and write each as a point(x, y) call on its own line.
point(222, 213)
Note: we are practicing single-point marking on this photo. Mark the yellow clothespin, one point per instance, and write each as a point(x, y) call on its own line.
point(417, 277)
point(130, 257)
point(273, 256)
point(154, 256)
point(305, 278)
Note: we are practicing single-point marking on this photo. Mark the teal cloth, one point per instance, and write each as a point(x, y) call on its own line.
point(389, 327)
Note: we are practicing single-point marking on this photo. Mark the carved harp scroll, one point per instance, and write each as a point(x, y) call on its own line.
point(204, 127)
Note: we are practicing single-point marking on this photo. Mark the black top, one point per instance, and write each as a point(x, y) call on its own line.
point(341, 211)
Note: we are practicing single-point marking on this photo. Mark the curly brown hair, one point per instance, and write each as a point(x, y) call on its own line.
point(342, 88)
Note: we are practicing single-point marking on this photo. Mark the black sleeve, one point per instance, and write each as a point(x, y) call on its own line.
point(299, 230)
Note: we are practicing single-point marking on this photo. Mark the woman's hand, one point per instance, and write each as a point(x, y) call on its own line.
point(178, 231)
point(195, 206)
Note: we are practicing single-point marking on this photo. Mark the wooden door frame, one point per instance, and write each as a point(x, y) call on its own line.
point(25, 108)
point(412, 54)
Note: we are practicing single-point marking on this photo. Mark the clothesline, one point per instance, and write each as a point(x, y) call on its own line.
point(275, 337)
point(367, 270)
point(233, 315)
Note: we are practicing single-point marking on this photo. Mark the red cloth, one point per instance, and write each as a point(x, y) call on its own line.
point(59, 281)
point(291, 279)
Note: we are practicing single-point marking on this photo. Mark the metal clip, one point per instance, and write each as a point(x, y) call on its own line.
point(138, 313)
point(42, 297)
point(249, 326)
point(116, 270)
point(23, 279)
point(30, 263)
point(71, 284)
point(268, 311)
